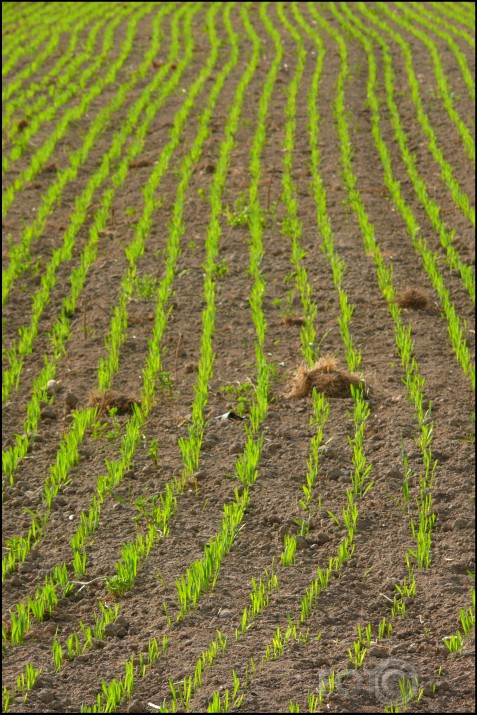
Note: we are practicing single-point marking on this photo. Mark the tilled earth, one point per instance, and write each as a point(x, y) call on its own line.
point(363, 590)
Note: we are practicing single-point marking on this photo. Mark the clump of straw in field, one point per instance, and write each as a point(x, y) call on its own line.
point(414, 298)
point(110, 400)
point(325, 376)
point(293, 320)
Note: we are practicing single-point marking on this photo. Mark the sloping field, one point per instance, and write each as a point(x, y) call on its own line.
point(238, 357)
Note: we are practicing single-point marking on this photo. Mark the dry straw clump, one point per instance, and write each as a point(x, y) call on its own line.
point(326, 377)
point(414, 298)
point(110, 400)
point(293, 320)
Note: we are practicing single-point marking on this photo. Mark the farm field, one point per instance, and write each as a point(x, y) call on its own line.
point(238, 357)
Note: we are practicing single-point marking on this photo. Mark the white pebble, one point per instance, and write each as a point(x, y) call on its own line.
point(52, 386)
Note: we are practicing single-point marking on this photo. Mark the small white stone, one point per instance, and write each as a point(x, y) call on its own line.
point(52, 386)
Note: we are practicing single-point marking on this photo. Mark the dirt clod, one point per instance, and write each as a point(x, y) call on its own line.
point(71, 401)
point(48, 413)
point(301, 543)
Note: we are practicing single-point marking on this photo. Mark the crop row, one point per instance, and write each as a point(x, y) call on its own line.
point(22, 97)
point(441, 79)
point(41, 156)
point(190, 684)
point(20, 252)
point(25, 45)
point(455, 328)
point(109, 365)
point(61, 329)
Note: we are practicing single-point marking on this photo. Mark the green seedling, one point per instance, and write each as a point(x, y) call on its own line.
point(454, 644)
point(145, 287)
point(410, 691)
point(335, 519)
point(220, 269)
point(239, 215)
point(303, 524)
point(153, 451)
point(146, 506)
point(286, 304)
point(357, 655)
point(57, 654)
point(287, 556)
point(384, 629)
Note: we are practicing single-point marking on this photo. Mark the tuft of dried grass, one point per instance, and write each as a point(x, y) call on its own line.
point(293, 320)
point(325, 376)
point(110, 399)
point(414, 298)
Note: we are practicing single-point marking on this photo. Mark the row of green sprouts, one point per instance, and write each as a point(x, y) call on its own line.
point(131, 438)
point(41, 156)
point(61, 330)
point(31, 98)
point(274, 649)
point(203, 573)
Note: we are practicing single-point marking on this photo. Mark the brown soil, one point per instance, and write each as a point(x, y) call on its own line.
point(363, 590)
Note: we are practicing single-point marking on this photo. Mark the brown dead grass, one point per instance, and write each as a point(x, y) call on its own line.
point(325, 376)
point(293, 320)
point(110, 399)
point(414, 298)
